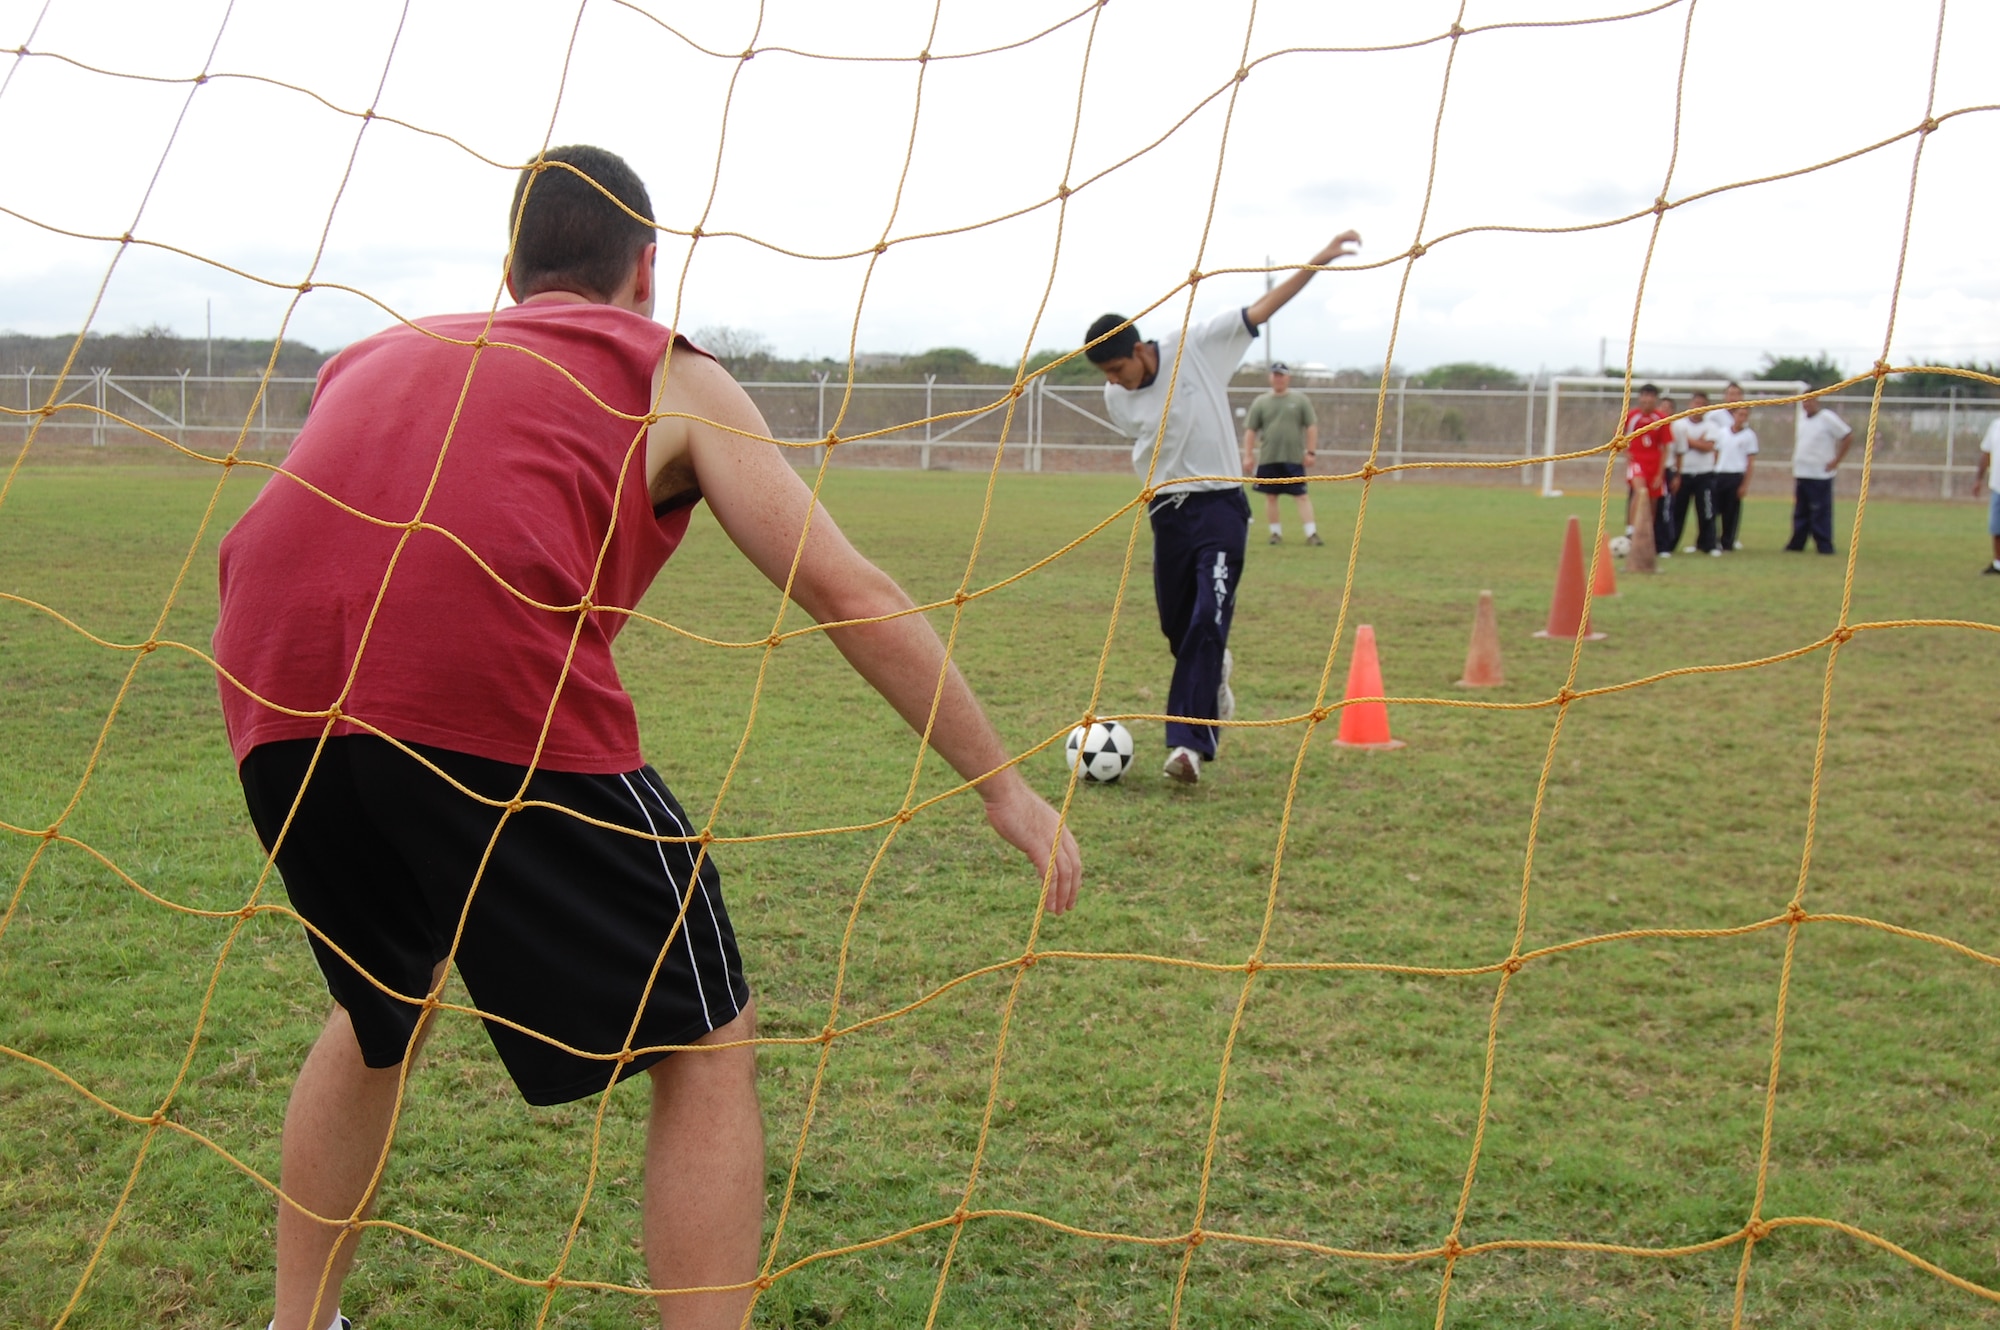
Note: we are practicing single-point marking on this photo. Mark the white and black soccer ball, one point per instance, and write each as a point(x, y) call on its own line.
point(1099, 752)
point(1621, 545)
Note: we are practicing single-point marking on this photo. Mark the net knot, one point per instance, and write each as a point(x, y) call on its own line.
point(1457, 30)
point(774, 641)
point(1929, 126)
point(1062, 190)
point(749, 53)
point(1660, 205)
point(1194, 277)
point(903, 816)
point(960, 597)
point(696, 233)
point(924, 56)
point(1453, 1248)
point(1881, 369)
point(1369, 471)
point(1028, 958)
point(305, 288)
point(516, 804)
point(125, 239)
point(247, 912)
point(1320, 713)
point(149, 646)
point(229, 461)
point(1147, 494)
point(1512, 965)
point(159, 1118)
point(199, 79)
point(368, 114)
point(764, 1283)
point(826, 1035)
point(1419, 249)
point(552, 1283)
point(959, 1215)
point(881, 247)
point(625, 1055)
point(1843, 634)
point(1565, 695)
point(832, 437)
point(1252, 966)
point(1756, 1230)
point(1243, 73)
point(51, 831)
point(1795, 913)
point(1195, 1238)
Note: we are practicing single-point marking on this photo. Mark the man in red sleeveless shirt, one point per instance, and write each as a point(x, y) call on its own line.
point(1648, 447)
point(415, 638)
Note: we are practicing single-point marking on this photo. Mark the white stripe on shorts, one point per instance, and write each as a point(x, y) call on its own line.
point(679, 904)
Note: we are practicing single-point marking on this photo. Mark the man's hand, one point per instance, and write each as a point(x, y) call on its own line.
point(1026, 821)
point(1342, 246)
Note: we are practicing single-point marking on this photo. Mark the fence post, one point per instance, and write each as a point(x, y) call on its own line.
point(1549, 490)
point(1950, 430)
point(1035, 421)
point(822, 418)
point(1528, 433)
point(99, 373)
point(1402, 392)
point(924, 463)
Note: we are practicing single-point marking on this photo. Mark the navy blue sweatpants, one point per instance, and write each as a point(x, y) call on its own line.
point(1198, 540)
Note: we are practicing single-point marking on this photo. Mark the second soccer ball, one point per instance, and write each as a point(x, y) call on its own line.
point(1099, 752)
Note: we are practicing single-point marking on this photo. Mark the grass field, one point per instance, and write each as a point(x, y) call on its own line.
point(1629, 1081)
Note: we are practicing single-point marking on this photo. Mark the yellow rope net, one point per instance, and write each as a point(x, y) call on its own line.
point(1449, 1254)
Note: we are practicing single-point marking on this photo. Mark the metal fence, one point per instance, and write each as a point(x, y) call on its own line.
point(1925, 447)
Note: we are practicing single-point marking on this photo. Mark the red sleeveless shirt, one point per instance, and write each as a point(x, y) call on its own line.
point(533, 479)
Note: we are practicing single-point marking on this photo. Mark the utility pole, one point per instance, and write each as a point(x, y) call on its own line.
point(1602, 347)
point(208, 320)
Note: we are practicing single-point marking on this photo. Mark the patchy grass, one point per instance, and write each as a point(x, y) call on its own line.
point(1628, 1085)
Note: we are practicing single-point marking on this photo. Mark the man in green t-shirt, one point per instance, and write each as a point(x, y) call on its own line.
point(1281, 439)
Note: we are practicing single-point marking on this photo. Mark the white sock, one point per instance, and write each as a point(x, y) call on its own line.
point(334, 1324)
point(1278, 528)
point(1312, 528)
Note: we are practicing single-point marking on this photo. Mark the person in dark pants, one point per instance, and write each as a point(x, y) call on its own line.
point(1171, 398)
point(1823, 439)
point(1694, 470)
point(1198, 544)
point(1735, 457)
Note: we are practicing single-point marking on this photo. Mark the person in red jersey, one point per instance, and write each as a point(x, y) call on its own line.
point(1647, 449)
point(422, 604)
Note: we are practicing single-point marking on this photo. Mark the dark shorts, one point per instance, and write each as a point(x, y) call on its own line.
point(568, 924)
point(1280, 470)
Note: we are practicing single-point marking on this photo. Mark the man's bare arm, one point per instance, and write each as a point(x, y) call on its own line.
point(1250, 450)
point(1260, 310)
point(1312, 444)
point(763, 506)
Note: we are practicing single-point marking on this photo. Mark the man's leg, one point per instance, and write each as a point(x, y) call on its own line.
point(1683, 496)
point(1271, 519)
point(705, 1179)
point(1993, 523)
point(335, 1126)
point(1801, 514)
point(1728, 507)
point(1306, 516)
point(1704, 511)
point(1822, 515)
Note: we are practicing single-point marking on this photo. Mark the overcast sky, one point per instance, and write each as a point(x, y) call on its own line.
point(1542, 127)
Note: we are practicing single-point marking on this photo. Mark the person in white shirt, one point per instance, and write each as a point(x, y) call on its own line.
point(1186, 451)
point(1694, 452)
point(1989, 472)
point(1735, 458)
point(1822, 443)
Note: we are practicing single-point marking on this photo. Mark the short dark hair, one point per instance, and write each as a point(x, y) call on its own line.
point(1732, 384)
point(1652, 388)
point(568, 235)
point(1118, 345)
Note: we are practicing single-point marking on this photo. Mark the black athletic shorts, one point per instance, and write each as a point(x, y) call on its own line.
point(566, 927)
point(1280, 471)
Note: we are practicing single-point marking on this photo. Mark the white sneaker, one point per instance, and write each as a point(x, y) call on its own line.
point(1738, 545)
point(1665, 555)
point(1687, 549)
point(1715, 554)
point(1183, 765)
point(1225, 697)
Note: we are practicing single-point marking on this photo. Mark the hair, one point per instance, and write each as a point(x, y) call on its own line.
point(568, 235)
point(1652, 388)
point(1699, 393)
point(1118, 345)
point(1732, 384)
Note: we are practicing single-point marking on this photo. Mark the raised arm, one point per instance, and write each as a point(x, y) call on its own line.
point(762, 505)
point(1260, 311)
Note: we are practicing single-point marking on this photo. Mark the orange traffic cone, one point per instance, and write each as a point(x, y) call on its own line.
point(1365, 725)
point(1605, 582)
point(1644, 549)
point(1569, 615)
point(1482, 658)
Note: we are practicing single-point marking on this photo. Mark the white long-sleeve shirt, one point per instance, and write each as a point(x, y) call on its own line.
point(1200, 434)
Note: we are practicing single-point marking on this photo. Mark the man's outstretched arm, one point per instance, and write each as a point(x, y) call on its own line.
point(1260, 311)
point(763, 504)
